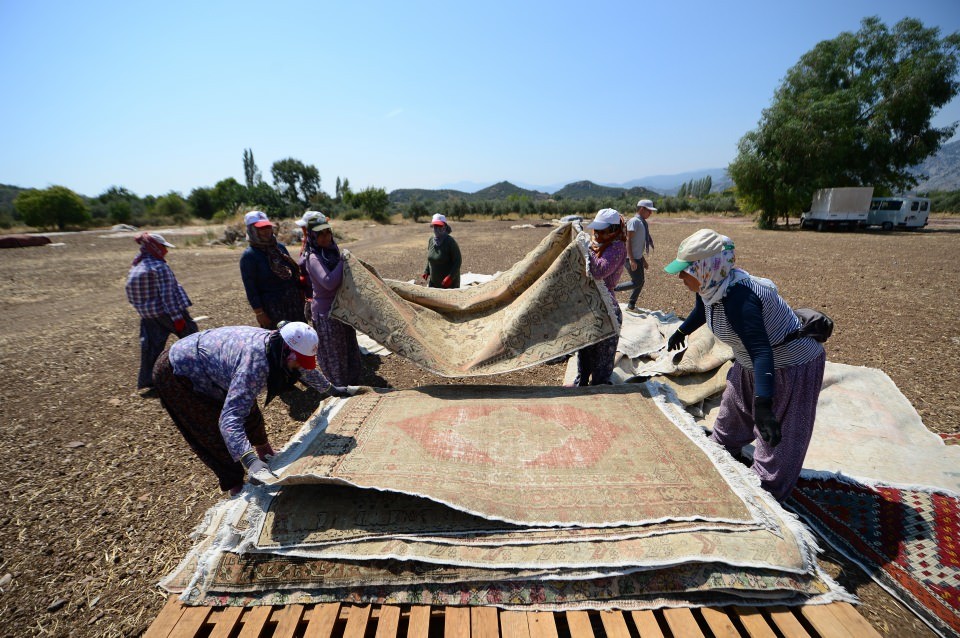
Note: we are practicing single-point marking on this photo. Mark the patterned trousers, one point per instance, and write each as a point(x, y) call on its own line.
point(339, 353)
point(595, 363)
point(197, 416)
point(794, 405)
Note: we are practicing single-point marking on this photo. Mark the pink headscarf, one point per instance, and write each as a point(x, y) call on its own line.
point(149, 246)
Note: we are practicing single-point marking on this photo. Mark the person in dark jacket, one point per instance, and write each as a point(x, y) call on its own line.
point(773, 386)
point(443, 256)
point(271, 277)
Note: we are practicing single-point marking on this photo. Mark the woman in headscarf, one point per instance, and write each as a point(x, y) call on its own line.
point(339, 353)
point(606, 256)
point(209, 383)
point(159, 299)
point(773, 386)
point(443, 256)
point(270, 275)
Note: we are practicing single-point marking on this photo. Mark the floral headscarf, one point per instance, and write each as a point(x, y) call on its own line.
point(149, 246)
point(717, 273)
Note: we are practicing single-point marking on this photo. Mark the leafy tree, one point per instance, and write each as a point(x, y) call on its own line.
point(297, 182)
point(345, 193)
point(172, 206)
point(374, 201)
point(250, 171)
point(416, 209)
point(855, 110)
point(56, 206)
point(266, 198)
point(118, 204)
point(336, 193)
point(201, 203)
point(227, 194)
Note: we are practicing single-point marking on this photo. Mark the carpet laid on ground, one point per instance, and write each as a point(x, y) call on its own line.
point(908, 541)
point(540, 498)
point(545, 306)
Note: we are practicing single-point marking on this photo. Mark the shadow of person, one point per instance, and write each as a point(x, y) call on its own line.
point(368, 374)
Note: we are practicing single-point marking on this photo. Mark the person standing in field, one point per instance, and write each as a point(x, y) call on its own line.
point(159, 299)
point(339, 352)
point(639, 244)
point(774, 384)
point(271, 277)
point(443, 256)
point(606, 256)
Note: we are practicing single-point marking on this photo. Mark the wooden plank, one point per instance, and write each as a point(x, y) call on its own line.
point(754, 622)
point(542, 624)
point(321, 620)
point(419, 625)
point(614, 624)
point(456, 622)
point(287, 619)
point(720, 623)
point(682, 623)
point(647, 624)
point(357, 621)
point(853, 621)
point(579, 624)
point(484, 622)
point(389, 621)
point(190, 622)
point(254, 621)
point(166, 620)
point(824, 622)
point(513, 624)
point(787, 623)
point(225, 621)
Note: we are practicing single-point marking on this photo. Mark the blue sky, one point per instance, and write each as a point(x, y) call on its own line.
point(166, 96)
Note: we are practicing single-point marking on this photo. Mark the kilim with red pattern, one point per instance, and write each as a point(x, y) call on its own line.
point(907, 541)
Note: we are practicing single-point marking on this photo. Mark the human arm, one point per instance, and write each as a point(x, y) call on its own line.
point(173, 300)
point(602, 266)
point(693, 321)
point(744, 310)
point(247, 383)
point(631, 260)
point(320, 276)
point(456, 260)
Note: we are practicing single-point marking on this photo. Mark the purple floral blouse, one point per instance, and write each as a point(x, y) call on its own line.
point(230, 364)
point(608, 266)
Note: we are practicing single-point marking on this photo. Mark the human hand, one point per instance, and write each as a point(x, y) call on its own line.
point(263, 319)
point(631, 263)
point(643, 260)
point(676, 340)
point(179, 325)
point(766, 422)
point(424, 276)
point(340, 391)
point(447, 282)
point(344, 252)
point(265, 452)
point(258, 472)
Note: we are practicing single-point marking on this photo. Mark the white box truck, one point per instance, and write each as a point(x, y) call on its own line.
point(898, 212)
point(845, 207)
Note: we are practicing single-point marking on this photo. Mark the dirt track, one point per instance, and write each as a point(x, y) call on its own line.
point(100, 492)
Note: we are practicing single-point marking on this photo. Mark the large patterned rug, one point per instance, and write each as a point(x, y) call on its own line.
point(908, 541)
point(544, 307)
point(541, 498)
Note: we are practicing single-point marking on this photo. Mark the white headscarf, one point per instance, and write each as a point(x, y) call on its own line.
point(717, 273)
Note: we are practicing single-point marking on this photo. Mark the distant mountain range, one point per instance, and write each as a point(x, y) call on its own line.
point(942, 170)
point(505, 190)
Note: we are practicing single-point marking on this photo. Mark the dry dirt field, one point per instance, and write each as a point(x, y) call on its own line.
point(99, 491)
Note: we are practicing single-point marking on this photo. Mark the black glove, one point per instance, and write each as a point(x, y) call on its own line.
point(676, 340)
point(257, 471)
point(765, 421)
point(339, 391)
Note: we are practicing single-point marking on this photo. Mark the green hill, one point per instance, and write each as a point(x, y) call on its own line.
point(586, 189)
point(407, 195)
point(504, 190)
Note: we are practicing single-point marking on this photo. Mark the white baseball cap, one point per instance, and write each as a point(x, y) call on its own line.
point(700, 245)
point(257, 218)
point(605, 218)
point(303, 340)
point(439, 220)
point(646, 203)
point(313, 220)
point(157, 237)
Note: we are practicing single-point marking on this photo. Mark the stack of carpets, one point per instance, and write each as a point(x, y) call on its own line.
point(519, 497)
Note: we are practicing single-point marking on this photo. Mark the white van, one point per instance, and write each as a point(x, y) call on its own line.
point(898, 212)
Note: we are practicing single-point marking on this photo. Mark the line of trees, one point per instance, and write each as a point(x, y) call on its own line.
point(295, 188)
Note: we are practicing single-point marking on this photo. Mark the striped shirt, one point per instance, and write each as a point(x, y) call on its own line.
point(153, 290)
point(754, 320)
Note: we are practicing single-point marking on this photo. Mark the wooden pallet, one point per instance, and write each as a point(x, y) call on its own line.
point(335, 620)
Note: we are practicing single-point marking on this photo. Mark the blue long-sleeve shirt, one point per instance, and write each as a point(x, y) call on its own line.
point(259, 282)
